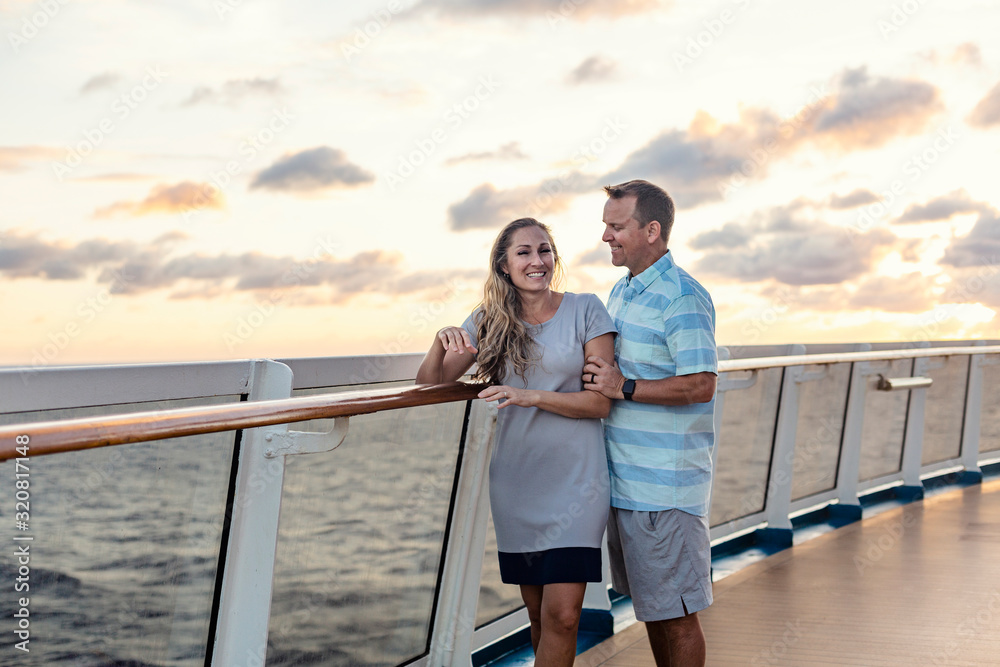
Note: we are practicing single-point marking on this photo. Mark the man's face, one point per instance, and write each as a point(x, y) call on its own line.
point(629, 243)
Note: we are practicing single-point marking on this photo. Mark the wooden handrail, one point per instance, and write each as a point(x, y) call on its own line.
point(53, 437)
point(85, 433)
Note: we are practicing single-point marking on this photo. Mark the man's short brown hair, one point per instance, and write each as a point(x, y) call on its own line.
point(651, 203)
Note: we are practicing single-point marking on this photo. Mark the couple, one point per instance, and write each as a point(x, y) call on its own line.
point(556, 369)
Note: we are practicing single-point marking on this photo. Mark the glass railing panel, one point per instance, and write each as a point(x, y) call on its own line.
point(822, 404)
point(126, 545)
point(989, 425)
point(944, 409)
point(496, 598)
point(884, 424)
point(745, 443)
point(361, 539)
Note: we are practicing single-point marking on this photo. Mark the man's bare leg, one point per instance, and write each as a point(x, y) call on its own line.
point(677, 642)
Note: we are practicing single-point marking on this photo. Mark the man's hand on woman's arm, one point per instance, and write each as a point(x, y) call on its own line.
point(679, 390)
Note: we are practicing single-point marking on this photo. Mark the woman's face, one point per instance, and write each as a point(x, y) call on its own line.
point(530, 260)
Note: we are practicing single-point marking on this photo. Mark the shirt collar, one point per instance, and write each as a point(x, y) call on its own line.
point(640, 282)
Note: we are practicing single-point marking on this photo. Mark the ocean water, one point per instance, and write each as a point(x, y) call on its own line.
point(745, 442)
point(361, 540)
point(944, 409)
point(124, 550)
point(989, 437)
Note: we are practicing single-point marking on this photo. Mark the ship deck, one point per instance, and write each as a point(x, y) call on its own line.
point(917, 584)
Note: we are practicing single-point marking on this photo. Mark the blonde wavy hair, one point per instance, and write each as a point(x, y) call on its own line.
point(501, 331)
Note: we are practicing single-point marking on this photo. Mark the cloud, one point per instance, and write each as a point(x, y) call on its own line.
point(594, 68)
point(731, 235)
point(981, 247)
point(100, 81)
point(868, 112)
point(117, 176)
point(911, 250)
point(185, 196)
point(910, 293)
point(979, 284)
point(234, 91)
point(199, 95)
point(311, 170)
point(781, 244)
point(693, 165)
point(601, 255)
point(700, 164)
point(853, 199)
point(16, 158)
point(254, 271)
point(987, 112)
point(942, 208)
point(488, 208)
point(129, 268)
point(204, 276)
point(552, 10)
point(696, 164)
point(967, 54)
point(509, 151)
point(26, 256)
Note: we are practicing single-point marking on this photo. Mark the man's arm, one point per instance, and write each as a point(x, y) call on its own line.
point(679, 390)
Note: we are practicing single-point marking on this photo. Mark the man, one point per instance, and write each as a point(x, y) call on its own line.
point(660, 432)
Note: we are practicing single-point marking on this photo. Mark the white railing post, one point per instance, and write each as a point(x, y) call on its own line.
point(724, 385)
point(247, 578)
point(455, 620)
point(720, 399)
point(848, 507)
point(779, 486)
point(913, 443)
point(973, 415)
point(596, 597)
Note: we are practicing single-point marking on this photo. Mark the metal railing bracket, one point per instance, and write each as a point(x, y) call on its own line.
point(902, 384)
point(285, 443)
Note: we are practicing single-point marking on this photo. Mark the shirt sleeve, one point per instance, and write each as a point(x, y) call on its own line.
point(470, 327)
point(689, 325)
point(597, 321)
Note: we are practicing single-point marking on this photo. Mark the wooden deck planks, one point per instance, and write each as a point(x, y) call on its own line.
point(916, 585)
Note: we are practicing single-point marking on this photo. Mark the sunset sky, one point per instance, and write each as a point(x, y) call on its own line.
point(218, 179)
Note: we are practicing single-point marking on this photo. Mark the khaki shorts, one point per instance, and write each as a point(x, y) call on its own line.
point(663, 560)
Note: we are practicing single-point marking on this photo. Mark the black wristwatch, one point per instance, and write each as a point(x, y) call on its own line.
point(628, 389)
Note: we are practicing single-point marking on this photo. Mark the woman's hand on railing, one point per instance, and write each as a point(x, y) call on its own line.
point(456, 339)
point(446, 360)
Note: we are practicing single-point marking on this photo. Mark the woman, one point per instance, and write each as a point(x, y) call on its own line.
point(549, 487)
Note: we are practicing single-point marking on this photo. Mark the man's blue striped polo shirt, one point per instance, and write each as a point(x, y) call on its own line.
point(660, 456)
